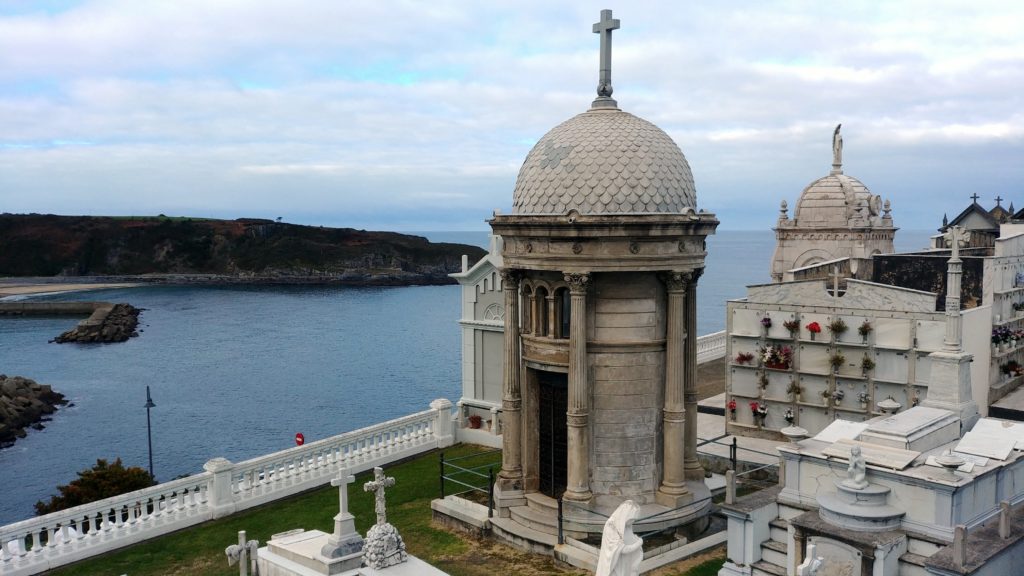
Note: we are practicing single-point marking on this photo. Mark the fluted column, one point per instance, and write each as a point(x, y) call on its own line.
point(673, 484)
point(511, 475)
point(578, 480)
point(691, 464)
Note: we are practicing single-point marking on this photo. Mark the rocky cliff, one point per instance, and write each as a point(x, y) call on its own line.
point(244, 249)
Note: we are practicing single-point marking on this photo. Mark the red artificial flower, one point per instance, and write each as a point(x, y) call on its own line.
point(814, 327)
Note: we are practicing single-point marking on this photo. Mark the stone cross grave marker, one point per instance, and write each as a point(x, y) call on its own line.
point(379, 483)
point(345, 541)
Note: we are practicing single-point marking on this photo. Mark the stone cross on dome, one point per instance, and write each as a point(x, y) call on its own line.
point(604, 84)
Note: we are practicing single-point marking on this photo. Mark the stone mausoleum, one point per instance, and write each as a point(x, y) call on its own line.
point(600, 261)
point(836, 217)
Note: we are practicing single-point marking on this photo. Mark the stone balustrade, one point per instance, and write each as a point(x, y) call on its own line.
point(43, 543)
point(710, 347)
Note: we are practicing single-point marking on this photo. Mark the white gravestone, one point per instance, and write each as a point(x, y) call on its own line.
point(621, 549)
point(345, 541)
point(384, 546)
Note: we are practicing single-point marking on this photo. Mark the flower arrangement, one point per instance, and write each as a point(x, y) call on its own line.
point(762, 380)
point(838, 396)
point(1018, 306)
point(755, 407)
point(759, 410)
point(837, 326)
point(744, 358)
point(794, 388)
point(789, 416)
point(778, 357)
point(814, 328)
point(731, 405)
point(1002, 335)
point(766, 322)
point(867, 364)
point(837, 360)
point(1012, 368)
point(864, 329)
point(863, 398)
point(791, 325)
point(475, 421)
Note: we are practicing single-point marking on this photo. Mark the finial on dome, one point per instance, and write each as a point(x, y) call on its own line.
point(837, 151)
point(604, 84)
point(888, 211)
point(783, 209)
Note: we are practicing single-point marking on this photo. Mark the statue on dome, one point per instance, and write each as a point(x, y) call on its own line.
point(837, 147)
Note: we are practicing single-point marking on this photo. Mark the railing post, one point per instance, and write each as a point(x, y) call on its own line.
point(222, 498)
point(730, 486)
point(443, 422)
point(732, 453)
point(490, 492)
point(441, 464)
point(561, 536)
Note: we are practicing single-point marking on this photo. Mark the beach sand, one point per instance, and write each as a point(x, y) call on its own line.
point(15, 288)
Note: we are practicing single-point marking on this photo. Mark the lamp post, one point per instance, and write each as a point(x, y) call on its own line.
point(149, 431)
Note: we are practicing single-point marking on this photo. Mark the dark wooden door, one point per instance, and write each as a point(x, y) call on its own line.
point(554, 403)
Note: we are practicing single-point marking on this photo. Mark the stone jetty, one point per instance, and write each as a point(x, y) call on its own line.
point(110, 323)
point(24, 403)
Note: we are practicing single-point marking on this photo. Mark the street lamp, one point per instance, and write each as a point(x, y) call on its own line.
point(149, 431)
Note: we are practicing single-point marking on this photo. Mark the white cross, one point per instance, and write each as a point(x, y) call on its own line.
point(956, 237)
point(377, 486)
point(604, 28)
point(342, 482)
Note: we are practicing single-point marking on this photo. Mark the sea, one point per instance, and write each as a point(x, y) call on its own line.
point(237, 371)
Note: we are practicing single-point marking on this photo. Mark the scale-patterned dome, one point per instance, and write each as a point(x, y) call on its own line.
point(604, 161)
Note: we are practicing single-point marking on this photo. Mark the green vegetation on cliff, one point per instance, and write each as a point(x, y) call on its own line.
point(47, 245)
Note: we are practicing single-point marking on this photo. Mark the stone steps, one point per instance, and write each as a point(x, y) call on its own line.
point(542, 503)
point(774, 552)
point(779, 530)
point(762, 568)
point(541, 521)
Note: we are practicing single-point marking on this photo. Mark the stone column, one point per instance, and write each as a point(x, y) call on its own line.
point(672, 492)
point(511, 475)
point(691, 464)
point(552, 317)
point(578, 481)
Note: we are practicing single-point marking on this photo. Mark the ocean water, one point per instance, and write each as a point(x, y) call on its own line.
point(237, 371)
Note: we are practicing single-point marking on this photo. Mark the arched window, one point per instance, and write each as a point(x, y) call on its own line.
point(564, 305)
point(540, 311)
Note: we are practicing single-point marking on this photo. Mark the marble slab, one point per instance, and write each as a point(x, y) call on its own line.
point(920, 428)
point(1002, 427)
point(967, 467)
point(840, 430)
point(987, 443)
point(882, 456)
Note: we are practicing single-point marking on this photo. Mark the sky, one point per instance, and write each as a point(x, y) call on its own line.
point(413, 116)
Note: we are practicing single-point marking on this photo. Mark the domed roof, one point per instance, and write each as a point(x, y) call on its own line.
point(835, 200)
point(604, 161)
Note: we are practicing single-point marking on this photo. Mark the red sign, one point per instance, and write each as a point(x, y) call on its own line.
point(299, 439)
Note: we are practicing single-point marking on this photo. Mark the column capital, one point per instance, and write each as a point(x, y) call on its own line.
point(675, 281)
point(510, 277)
point(695, 275)
point(577, 281)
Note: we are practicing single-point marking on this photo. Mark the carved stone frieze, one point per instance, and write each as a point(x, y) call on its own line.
point(675, 281)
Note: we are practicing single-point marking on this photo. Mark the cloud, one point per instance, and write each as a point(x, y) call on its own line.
point(376, 112)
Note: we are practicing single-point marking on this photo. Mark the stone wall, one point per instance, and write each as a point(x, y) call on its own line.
point(627, 356)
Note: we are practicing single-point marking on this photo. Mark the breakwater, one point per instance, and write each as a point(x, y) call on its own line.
point(24, 403)
point(107, 322)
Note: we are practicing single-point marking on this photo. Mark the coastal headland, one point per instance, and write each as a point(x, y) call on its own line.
point(168, 250)
point(24, 403)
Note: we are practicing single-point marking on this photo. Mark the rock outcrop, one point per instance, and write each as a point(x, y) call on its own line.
point(108, 323)
point(24, 403)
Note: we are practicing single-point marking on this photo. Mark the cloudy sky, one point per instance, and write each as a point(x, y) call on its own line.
point(417, 115)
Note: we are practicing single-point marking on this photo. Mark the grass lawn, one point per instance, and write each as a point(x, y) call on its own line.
point(200, 549)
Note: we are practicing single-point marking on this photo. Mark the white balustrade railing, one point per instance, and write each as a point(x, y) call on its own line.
point(40, 544)
point(710, 347)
